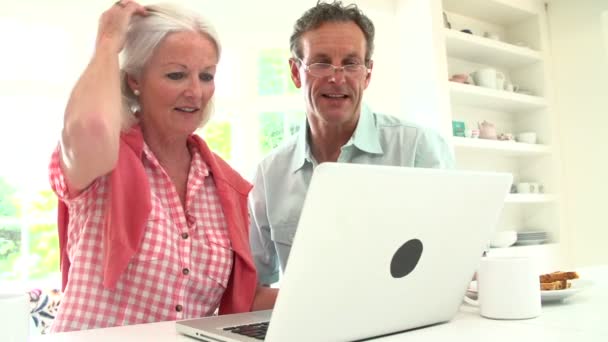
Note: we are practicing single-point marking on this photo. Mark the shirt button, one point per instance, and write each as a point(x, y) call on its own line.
point(184, 236)
point(185, 271)
point(179, 308)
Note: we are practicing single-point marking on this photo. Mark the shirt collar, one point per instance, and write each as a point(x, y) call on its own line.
point(197, 164)
point(366, 138)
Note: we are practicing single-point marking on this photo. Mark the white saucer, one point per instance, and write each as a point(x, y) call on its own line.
point(559, 295)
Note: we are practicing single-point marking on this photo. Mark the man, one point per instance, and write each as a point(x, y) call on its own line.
point(331, 45)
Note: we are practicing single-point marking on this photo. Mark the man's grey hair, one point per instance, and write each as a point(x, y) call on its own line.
point(333, 12)
point(143, 37)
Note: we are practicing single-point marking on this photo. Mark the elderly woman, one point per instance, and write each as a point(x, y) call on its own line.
point(153, 226)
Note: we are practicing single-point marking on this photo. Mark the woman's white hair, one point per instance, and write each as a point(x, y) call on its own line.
point(143, 37)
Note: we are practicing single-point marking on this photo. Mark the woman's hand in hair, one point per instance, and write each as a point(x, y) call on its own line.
point(114, 23)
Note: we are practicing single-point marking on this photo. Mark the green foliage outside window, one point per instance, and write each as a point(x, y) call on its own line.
point(7, 205)
point(275, 80)
point(10, 233)
point(274, 77)
point(218, 135)
point(43, 243)
point(10, 245)
point(44, 251)
point(275, 127)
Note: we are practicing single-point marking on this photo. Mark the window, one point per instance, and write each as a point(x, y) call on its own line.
point(257, 107)
point(276, 126)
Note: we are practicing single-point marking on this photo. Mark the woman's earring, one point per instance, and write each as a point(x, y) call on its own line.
point(136, 92)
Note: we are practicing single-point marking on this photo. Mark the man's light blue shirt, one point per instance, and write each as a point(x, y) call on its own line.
point(282, 179)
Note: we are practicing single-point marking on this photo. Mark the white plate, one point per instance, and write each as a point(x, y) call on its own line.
point(559, 295)
point(539, 236)
point(530, 242)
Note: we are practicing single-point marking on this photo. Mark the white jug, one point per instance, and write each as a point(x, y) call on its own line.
point(489, 78)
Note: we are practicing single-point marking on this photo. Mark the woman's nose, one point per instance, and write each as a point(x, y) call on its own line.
point(194, 88)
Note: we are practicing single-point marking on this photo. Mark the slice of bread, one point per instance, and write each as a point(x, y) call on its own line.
point(555, 276)
point(556, 285)
point(557, 280)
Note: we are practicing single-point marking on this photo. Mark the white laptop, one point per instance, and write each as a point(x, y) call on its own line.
point(378, 250)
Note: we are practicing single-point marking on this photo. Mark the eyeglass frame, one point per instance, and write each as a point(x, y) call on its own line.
point(334, 68)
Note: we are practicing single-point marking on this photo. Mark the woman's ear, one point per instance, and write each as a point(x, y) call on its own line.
point(133, 83)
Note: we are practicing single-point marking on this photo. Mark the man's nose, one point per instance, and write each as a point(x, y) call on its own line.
point(338, 76)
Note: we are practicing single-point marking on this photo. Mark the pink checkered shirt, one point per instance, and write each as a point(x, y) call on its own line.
point(181, 269)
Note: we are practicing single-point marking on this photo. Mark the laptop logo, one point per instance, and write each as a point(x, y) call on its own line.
point(406, 258)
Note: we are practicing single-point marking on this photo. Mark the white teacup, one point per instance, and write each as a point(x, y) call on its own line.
point(508, 288)
point(527, 188)
point(527, 137)
point(14, 316)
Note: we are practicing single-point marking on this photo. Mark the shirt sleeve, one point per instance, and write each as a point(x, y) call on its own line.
point(433, 151)
point(262, 246)
point(56, 176)
point(59, 184)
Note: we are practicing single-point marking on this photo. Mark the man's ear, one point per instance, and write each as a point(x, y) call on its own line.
point(295, 72)
point(368, 77)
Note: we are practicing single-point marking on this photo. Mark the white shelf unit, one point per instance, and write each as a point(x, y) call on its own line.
point(466, 94)
point(521, 55)
point(481, 49)
point(530, 198)
point(497, 147)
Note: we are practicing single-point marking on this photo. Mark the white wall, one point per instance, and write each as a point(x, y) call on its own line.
point(421, 66)
point(580, 60)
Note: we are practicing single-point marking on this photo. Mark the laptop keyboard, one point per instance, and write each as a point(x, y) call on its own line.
point(255, 330)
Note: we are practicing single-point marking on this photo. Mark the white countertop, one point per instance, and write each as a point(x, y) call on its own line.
point(580, 318)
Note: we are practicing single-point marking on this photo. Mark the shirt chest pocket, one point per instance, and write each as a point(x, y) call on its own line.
point(157, 241)
point(213, 252)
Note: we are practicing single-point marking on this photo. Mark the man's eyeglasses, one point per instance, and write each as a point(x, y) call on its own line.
point(326, 69)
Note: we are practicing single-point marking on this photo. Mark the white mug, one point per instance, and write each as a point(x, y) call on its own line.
point(508, 288)
point(14, 316)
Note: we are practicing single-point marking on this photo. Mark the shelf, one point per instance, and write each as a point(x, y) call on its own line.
point(503, 12)
point(504, 148)
point(487, 51)
point(510, 102)
point(530, 198)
